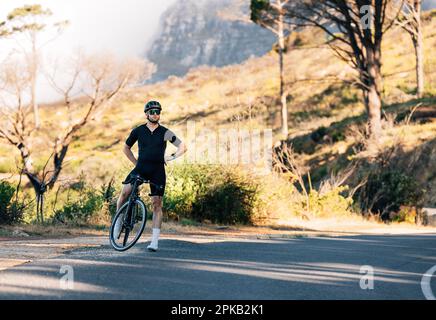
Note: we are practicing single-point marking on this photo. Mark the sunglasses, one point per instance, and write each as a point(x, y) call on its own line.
point(153, 112)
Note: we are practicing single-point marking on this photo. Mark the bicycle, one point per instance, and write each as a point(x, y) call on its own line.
point(134, 217)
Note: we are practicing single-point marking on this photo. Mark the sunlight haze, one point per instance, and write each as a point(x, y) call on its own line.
point(121, 27)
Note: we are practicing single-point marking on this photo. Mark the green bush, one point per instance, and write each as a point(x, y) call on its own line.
point(229, 200)
point(81, 210)
point(338, 135)
point(318, 134)
point(11, 212)
point(210, 192)
point(387, 191)
point(86, 204)
point(6, 193)
point(181, 189)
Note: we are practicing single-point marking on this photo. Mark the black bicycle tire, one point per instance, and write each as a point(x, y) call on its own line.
point(111, 232)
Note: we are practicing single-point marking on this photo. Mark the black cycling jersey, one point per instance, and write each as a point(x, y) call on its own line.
point(151, 145)
point(151, 155)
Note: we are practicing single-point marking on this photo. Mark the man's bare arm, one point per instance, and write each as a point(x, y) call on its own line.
point(181, 149)
point(129, 154)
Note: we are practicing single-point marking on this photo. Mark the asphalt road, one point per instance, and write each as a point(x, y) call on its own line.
point(217, 268)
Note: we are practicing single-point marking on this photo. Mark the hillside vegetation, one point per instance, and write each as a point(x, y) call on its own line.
point(326, 117)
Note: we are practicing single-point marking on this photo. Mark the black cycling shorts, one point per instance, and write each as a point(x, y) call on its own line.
point(155, 173)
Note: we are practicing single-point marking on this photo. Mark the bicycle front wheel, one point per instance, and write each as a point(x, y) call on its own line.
point(127, 229)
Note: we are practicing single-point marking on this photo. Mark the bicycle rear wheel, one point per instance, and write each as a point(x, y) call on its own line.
point(124, 234)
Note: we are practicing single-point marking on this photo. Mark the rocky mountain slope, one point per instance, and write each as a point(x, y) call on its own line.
point(206, 32)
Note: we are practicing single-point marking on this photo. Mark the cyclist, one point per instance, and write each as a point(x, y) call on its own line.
point(152, 140)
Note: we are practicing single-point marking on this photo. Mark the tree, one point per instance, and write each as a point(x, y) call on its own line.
point(99, 78)
point(30, 21)
point(271, 15)
point(355, 29)
point(410, 21)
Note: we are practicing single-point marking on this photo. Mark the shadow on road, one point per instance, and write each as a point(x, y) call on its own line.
point(303, 268)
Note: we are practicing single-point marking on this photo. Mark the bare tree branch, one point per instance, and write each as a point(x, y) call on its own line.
point(100, 74)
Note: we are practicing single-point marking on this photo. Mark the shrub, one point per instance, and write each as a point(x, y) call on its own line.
point(329, 199)
point(387, 191)
point(81, 210)
point(6, 193)
point(330, 203)
point(338, 135)
point(107, 193)
point(16, 212)
point(318, 134)
point(406, 214)
point(181, 190)
point(230, 199)
point(86, 204)
point(180, 194)
point(210, 192)
point(11, 211)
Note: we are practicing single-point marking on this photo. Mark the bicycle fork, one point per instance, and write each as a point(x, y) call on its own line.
point(128, 221)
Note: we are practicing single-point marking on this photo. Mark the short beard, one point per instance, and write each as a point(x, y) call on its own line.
point(152, 121)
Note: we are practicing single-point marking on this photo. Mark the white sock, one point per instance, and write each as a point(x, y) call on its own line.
point(155, 236)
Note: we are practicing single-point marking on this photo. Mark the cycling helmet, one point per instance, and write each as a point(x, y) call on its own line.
point(152, 105)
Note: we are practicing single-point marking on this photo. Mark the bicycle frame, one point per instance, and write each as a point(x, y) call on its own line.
point(133, 197)
point(132, 200)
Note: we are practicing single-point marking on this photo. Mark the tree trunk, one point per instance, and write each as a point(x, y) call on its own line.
point(419, 55)
point(39, 205)
point(374, 112)
point(35, 105)
point(33, 80)
point(39, 187)
point(283, 94)
point(373, 101)
point(37, 208)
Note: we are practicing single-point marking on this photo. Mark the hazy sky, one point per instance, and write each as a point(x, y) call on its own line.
point(122, 26)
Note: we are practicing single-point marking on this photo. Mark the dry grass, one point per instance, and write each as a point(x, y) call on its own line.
point(286, 227)
point(38, 231)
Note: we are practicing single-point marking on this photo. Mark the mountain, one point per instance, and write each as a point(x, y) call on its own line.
point(206, 32)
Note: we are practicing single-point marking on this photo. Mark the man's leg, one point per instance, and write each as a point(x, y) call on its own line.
point(157, 222)
point(157, 211)
point(124, 195)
